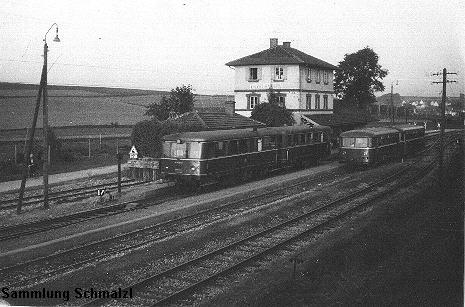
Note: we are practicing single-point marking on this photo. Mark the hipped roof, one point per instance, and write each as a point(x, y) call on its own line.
point(281, 55)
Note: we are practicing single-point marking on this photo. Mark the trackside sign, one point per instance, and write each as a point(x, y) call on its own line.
point(133, 153)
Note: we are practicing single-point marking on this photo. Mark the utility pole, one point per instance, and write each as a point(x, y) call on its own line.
point(27, 151)
point(392, 105)
point(443, 119)
point(392, 101)
point(28, 145)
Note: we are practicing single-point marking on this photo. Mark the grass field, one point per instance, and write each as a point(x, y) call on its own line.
point(76, 111)
point(75, 106)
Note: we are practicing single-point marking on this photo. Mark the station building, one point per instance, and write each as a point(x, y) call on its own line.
point(303, 83)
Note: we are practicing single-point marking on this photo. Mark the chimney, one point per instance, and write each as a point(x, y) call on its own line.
point(273, 42)
point(229, 107)
point(287, 44)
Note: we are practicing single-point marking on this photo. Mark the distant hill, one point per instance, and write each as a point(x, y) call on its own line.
point(81, 105)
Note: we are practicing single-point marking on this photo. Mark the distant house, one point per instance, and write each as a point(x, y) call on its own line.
point(304, 84)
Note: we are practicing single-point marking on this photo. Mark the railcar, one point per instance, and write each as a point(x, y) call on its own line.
point(199, 157)
point(412, 138)
point(370, 145)
point(378, 144)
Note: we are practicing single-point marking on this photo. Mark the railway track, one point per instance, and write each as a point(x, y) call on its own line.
point(171, 285)
point(31, 271)
point(65, 194)
point(20, 230)
point(59, 263)
point(122, 243)
point(16, 231)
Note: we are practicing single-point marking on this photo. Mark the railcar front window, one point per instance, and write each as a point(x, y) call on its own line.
point(167, 149)
point(193, 150)
point(348, 142)
point(178, 150)
point(361, 142)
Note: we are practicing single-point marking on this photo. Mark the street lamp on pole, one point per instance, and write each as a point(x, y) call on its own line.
point(30, 136)
point(46, 155)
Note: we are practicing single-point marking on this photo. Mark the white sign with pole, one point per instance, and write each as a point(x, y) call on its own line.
point(133, 153)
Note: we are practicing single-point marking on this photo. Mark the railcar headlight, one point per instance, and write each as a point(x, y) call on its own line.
point(365, 153)
point(195, 167)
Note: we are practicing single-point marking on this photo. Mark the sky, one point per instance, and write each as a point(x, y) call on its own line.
point(163, 44)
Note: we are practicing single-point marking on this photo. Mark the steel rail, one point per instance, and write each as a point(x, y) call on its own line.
point(145, 232)
point(133, 233)
point(19, 230)
point(58, 195)
point(116, 238)
point(238, 265)
point(213, 253)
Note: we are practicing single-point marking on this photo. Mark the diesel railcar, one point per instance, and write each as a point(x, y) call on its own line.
point(209, 156)
point(412, 138)
point(378, 144)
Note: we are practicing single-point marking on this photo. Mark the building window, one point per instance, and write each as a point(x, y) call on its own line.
point(318, 76)
point(325, 77)
point(279, 73)
point(317, 102)
point(253, 74)
point(325, 102)
point(309, 75)
point(253, 101)
point(282, 101)
point(308, 104)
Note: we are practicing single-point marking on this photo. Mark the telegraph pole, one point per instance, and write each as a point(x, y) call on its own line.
point(392, 101)
point(392, 105)
point(443, 119)
point(29, 142)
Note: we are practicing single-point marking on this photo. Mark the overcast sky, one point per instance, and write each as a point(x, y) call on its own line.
point(163, 44)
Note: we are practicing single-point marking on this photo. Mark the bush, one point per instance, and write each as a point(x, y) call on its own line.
point(146, 135)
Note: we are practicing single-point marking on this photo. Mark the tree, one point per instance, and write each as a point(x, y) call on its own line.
point(359, 77)
point(272, 113)
point(180, 100)
point(146, 135)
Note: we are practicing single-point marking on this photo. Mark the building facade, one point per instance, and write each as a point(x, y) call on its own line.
point(303, 83)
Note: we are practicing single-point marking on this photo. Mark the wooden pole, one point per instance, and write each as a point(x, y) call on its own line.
point(29, 141)
point(443, 124)
point(119, 158)
point(392, 104)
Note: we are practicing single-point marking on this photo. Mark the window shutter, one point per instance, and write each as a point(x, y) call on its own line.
point(285, 73)
point(259, 73)
point(247, 73)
